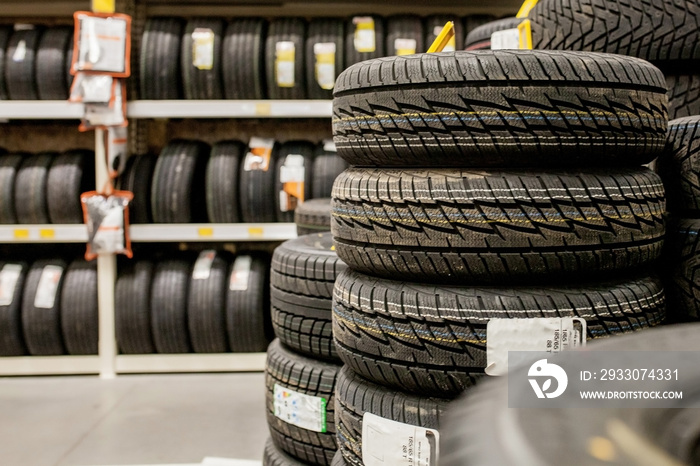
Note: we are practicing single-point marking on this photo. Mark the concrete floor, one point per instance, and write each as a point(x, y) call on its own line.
point(149, 419)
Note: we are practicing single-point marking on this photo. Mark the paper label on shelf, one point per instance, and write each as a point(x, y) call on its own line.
point(405, 46)
point(325, 64)
point(240, 273)
point(550, 334)
point(329, 145)
point(48, 286)
point(451, 44)
point(8, 281)
point(284, 63)
point(202, 267)
point(305, 411)
point(259, 153)
point(506, 39)
point(365, 38)
point(20, 52)
point(390, 443)
point(203, 48)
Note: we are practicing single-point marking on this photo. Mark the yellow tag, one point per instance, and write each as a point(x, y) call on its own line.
point(325, 64)
point(103, 6)
point(525, 35)
point(21, 234)
point(263, 109)
point(255, 231)
point(284, 64)
point(47, 233)
point(405, 46)
point(365, 39)
point(525, 8)
point(444, 38)
point(205, 232)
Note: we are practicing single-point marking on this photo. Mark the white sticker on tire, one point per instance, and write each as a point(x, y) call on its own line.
point(240, 274)
point(203, 48)
point(202, 267)
point(324, 53)
point(305, 411)
point(365, 38)
point(8, 282)
point(506, 39)
point(47, 289)
point(284, 63)
point(390, 443)
point(405, 46)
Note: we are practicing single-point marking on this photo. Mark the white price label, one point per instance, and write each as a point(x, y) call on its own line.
point(550, 334)
point(102, 44)
point(506, 39)
point(405, 46)
point(48, 286)
point(284, 63)
point(8, 281)
point(390, 443)
point(202, 267)
point(365, 38)
point(203, 48)
point(20, 52)
point(329, 146)
point(305, 411)
point(325, 64)
point(240, 274)
point(292, 171)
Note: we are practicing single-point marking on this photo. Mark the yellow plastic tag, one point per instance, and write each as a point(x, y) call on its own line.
point(325, 64)
point(255, 231)
point(21, 234)
point(284, 63)
point(525, 35)
point(525, 8)
point(365, 40)
point(205, 232)
point(47, 233)
point(103, 6)
point(443, 39)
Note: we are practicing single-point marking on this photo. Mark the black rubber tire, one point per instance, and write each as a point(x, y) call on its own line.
point(301, 287)
point(435, 24)
point(138, 178)
point(11, 338)
point(323, 30)
point(500, 108)
point(313, 216)
point(432, 339)
point(309, 377)
point(306, 150)
point(352, 56)
point(273, 456)
point(480, 429)
point(5, 32)
point(197, 83)
point(257, 191)
point(69, 64)
point(178, 191)
point(327, 167)
point(486, 227)
point(679, 167)
point(682, 256)
point(42, 327)
point(9, 167)
point(248, 310)
point(683, 95)
point(404, 27)
point(472, 22)
point(79, 313)
point(20, 76)
point(648, 29)
point(223, 173)
point(71, 174)
point(133, 308)
point(480, 37)
point(286, 30)
point(31, 187)
point(51, 63)
point(169, 294)
point(244, 41)
point(159, 59)
point(206, 318)
point(356, 396)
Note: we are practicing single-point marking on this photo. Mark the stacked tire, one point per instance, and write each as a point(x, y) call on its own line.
point(302, 363)
point(511, 191)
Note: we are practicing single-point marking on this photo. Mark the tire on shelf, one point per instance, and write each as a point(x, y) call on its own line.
point(480, 37)
point(683, 95)
point(648, 29)
point(159, 59)
point(257, 188)
point(470, 227)
point(353, 54)
point(434, 25)
point(222, 177)
point(178, 191)
point(206, 318)
point(291, 154)
point(244, 43)
point(273, 456)
point(302, 275)
point(291, 372)
point(138, 178)
point(392, 111)
point(327, 166)
point(248, 304)
point(169, 294)
point(679, 167)
point(9, 167)
point(201, 75)
point(5, 32)
point(472, 22)
point(20, 64)
point(313, 216)
point(480, 428)
point(286, 30)
point(42, 324)
point(79, 321)
point(31, 187)
point(11, 338)
point(51, 61)
point(356, 397)
point(133, 308)
point(71, 174)
point(681, 255)
point(404, 28)
point(431, 339)
point(324, 31)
